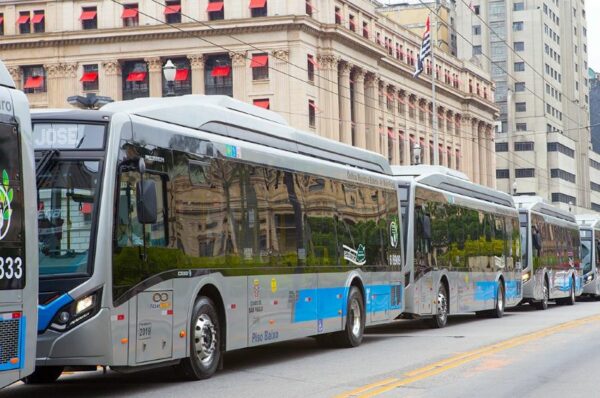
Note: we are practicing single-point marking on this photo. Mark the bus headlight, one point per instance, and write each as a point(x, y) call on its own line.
point(76, 312)
point(589, 278)
point(525, 277)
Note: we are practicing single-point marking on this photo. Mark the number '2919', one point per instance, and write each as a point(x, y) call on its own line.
point(11, 268)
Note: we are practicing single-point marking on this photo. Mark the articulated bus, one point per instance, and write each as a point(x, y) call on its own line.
point(174, 229)
point(18, 238)
point(462, 245)
point(550, 239)
point(589, 233)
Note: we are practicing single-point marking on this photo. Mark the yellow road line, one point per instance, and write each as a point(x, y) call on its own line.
point(455, 361)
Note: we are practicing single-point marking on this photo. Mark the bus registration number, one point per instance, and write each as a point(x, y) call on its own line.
point(11, 268)
point(144, 330)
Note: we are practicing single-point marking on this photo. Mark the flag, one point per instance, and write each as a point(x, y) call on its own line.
point(425, 49)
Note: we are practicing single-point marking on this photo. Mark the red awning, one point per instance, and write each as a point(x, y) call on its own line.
point(339, 15)
point(221, 71)
point(258, 61)
point(313, 61)
point(1, 19)
point(388, 95)
point(400, 135)
point(258, 3)
point(34, 82)
point(89, 77)
point(262, 103)
point(37, 18)
point(87, 15)
point(214, 7)
point(181, 75)
point(391, 134)
point(23, 19)
point(411, 138)
point(129, 13)
point(136, 77)
point(173, 9)
point(313, 105)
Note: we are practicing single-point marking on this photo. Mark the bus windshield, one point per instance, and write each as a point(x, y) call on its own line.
point(66, 200)
point(586, 255)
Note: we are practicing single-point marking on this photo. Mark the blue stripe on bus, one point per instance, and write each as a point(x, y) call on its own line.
point(47, 312)
point(485, 290)
point(21, 354)
point(513, 289)
point(331, 302)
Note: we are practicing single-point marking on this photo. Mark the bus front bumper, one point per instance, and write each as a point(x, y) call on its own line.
point(86, 344)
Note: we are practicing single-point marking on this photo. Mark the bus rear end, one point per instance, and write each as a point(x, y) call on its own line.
point(18, 238)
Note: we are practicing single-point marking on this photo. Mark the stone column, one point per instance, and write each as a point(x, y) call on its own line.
point(15, 73)
point(491, 157)
point(475, 151)
point(328, 96)
point(155, 79)
point(240, 72)
point(110, 80)
point(197, 71)
point(70, 82)
point(60, 83)
point(360, 139)
point(345, 104)
point(395, 126)
point(372, 133)
point(483, 175)
point(283, 91)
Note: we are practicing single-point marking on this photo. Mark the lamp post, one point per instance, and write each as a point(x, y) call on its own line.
point(514, 187)
point(417, 154)
point(169, 71)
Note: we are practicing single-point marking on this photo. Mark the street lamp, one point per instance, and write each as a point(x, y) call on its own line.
point(90, 101)
point(570, 206)
point(514, 187)
point(169, 71)
point(417, 154)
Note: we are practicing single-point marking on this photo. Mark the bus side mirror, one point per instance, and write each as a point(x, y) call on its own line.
point(146, 202)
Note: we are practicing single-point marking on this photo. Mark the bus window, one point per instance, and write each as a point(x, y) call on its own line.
point(129, 232)
point(586, 255)
point(536, 241)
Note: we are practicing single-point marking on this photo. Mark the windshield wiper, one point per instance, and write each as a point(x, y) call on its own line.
point(42, 165)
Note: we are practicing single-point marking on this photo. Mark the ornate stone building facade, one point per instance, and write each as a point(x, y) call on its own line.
point(338, 68)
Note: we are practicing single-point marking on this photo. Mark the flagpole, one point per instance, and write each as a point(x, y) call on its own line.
point(436, 151)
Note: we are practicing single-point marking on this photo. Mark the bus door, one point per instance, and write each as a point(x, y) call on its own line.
point(423, 260)
point(141, 240)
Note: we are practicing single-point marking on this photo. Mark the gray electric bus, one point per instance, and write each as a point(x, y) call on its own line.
point(462, 245)
point(550, 240)
point(589, 233)
point(174, 229)
point(18, 237)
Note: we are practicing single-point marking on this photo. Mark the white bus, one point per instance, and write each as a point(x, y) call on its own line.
point(551, 245)
point(589, 233)
point(18, 238)
point(174, 229)
point(462, 245)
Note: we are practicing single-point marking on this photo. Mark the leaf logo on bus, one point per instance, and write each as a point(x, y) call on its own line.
point(6, 197)
point(357, 256)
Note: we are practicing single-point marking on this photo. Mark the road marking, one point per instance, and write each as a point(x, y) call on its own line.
point(380, 387)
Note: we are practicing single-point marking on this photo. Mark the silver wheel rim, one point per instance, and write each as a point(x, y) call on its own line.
point(355, 320)
point(205, 339)
point(546, 293)
point(573, 292)
point(442, 307)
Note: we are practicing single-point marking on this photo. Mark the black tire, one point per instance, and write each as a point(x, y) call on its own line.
point(353, 332)
point(44, 375)
point(440, 319)
point(543, 303)
point(571, 299)
point(205, 329)
point(498, 311)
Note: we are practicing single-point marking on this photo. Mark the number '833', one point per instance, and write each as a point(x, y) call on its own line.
point(11, 268)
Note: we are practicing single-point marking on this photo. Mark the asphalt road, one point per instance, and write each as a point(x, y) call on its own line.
point(528, 353)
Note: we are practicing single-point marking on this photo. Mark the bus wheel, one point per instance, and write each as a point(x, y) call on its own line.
point(44, 375)
point(571, 299)
point(543, 303)
point(204, 340)
point(353, 333)
point(440, 319)
point(498, 312)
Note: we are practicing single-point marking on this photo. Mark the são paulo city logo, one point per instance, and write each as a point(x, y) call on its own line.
point(6, 197)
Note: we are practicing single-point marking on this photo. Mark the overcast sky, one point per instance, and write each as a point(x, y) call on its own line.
point(592, 10)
